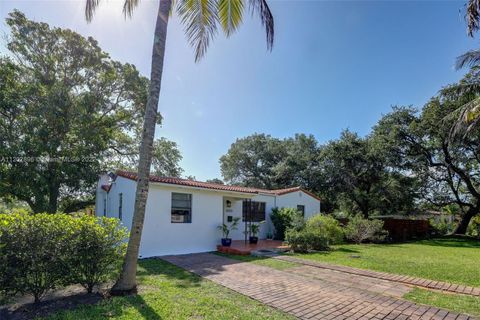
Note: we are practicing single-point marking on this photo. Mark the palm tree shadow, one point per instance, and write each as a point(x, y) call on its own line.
point(143, 308)
point(158, 267)
point(346, 250)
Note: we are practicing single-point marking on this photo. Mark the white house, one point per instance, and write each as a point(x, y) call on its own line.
point(182, 215)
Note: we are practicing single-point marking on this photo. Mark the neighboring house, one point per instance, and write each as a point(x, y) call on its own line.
point(182, 215)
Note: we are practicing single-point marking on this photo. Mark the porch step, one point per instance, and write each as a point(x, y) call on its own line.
point(239, 247)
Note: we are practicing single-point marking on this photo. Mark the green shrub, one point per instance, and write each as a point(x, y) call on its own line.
point(474, 227)
point(317, 233)
point(442, 226)
point(98, 245)
point(34, 256)
point(306, 240)
point(360, 229)
point(282, 220)
point(41, 252)
point(328, 226)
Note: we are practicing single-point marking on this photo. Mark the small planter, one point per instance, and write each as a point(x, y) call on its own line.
point(253, 240)
point(226, 242)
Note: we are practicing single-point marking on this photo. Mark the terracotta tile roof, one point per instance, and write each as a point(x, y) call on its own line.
point(212, 186)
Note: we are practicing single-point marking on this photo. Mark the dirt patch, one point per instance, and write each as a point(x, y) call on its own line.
point(65, 299)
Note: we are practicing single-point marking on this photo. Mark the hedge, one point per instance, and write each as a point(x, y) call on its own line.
point(42, 252)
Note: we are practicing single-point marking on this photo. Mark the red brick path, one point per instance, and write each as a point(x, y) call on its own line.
point(239, 247)
point(304, 297)
point(417, 282)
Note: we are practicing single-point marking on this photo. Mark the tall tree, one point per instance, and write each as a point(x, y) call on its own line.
point(66, 109)
point(166, 158)
point(262, 161)
point(356, 172)
point(215, 180)
point(449, 170)
point(250, 161)
point(300, 165)
point(200, 19)
point(468, 116)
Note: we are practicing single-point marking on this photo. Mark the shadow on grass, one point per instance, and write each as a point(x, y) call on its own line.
point(346, 250)
point(143, 307)
point(451, 242)
point(157, 267)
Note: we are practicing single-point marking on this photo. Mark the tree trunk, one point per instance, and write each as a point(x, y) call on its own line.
point(463, 225)
point(127, 281)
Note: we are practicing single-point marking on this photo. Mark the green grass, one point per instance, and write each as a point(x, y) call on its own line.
point(450, 260)
point(454, 302)
point(262, 261)
point(168, 292)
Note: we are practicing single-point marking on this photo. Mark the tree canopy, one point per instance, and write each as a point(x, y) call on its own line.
point(68, 112)
point(448, 170)
point(410, 161)
point(350, 173)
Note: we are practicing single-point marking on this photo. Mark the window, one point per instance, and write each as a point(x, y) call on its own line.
point(256, 212)
point(120, 205)
point(105, 206)
point(181, 208)
point(301, 209)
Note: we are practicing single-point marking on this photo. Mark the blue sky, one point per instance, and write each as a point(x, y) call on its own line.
point(334, 65)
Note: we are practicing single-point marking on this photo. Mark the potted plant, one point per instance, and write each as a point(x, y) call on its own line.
point(269, 235)
point(226, 241)
point(254, 230)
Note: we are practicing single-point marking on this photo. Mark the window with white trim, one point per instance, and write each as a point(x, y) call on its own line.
point(181, 208)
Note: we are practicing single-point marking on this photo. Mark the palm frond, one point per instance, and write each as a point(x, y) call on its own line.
point(266, 17)
point(129, 6)
point(199, 18)
point(473, 16)
point(230, 14)
point(460, 89)
point(466, 119)
point(90, 6)
point(469, 59)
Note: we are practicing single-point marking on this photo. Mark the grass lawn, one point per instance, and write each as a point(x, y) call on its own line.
point(262, 261)
point(448, 259)
point(168, 292)
point(455, 302)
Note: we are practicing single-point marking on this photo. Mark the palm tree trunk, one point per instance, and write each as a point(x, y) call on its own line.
point(127, 282)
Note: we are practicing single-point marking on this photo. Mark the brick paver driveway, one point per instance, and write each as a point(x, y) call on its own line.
point(303, 296)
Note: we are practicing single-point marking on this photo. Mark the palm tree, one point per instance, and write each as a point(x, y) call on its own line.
point(200, 19)
point(468, 116)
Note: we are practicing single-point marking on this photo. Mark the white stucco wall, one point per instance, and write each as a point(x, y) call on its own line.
point(292, 199)
point(162, 237)
point(236, 211)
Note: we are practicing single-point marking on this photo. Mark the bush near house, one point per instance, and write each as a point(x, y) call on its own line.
point(42, 252)
point(283, 219)
point(318, 233)
point(306, 240)
point(328, 226)
point(360, 230)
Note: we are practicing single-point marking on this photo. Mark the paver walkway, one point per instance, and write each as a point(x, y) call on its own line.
point(304, 297)
point(417, 282)
point(353, 281)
